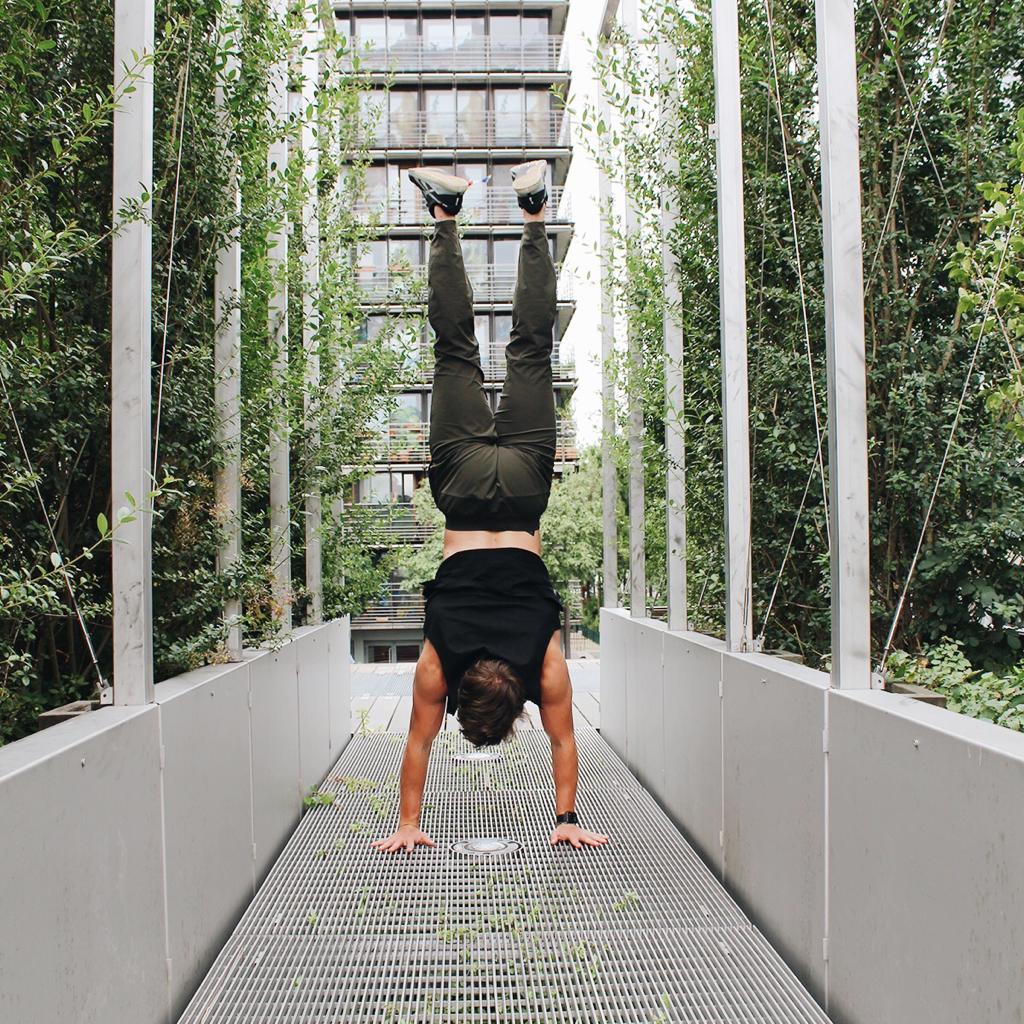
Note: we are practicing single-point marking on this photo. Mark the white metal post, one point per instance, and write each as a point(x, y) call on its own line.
point(280, 482)
point(311, 309)
point(609, 474)
point(672, 337)
point(131, 358)
point(844, 329)
point(227, 357)
point(732, 298)
point(634, 397)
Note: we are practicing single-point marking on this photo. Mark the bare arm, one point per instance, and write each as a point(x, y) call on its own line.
point(556, 716)
point(429, 694)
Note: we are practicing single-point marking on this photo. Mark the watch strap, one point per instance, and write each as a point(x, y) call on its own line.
point(567, 818)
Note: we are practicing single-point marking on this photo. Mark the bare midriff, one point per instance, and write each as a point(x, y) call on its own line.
point(471, 540)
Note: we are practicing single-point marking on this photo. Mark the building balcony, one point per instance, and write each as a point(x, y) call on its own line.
point(407, 444)
point(396, 522)
point(394, 608)
point(471, 130)
point(482, 205)
point(492, 361)
point(491, 284)
point(480, 53)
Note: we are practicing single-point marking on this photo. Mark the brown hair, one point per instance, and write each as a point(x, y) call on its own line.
point(491, 698)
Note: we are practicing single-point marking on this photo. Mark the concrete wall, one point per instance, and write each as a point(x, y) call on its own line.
point(877, 841)
point(133, 838)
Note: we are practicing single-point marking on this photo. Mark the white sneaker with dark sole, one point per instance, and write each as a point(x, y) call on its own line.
point(530, 183)
point(439, 188)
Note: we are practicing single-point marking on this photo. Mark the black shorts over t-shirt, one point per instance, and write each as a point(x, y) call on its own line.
point(491, 603)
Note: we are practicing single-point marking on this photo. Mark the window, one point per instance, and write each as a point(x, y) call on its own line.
point(407, 652)
point(404, 108)
point(506, 252)
point(474, 254)
point(472, 109)
point(438, 33)
point(403, 255)
point(408, 409)
point(538, 117)
point(476, 197)
point(371, 34)
point(373, 114)
point(439, 119)
point(482, 329)
point(470, 42)
point(508, 116)
point(373, 262)
point(402, 34)
point(502, 330)
point(375, 489)
point(379, 654)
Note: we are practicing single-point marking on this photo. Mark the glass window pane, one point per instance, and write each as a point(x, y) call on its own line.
point(472, 119)
point(402, 33)
point(474, 253)
point(371, 33)
point(505, 29)
point(407, 652)
point(502, 329)
point(439, 119)
point(379, 654)
point(535, 25)
point(506, 252)
point(508, 115)
point(404, 107)
point(437, 33)
point(538, 116)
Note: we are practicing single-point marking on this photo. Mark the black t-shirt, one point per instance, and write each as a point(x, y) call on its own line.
point(491, 603)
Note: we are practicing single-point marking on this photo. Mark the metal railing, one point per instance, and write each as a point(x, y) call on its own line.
point(468, 130)
point(492, 361)
point(486, 205)
point(397, 522)
point(408, 443)
point(481, 53)
point(394, 607)
point(491, 282)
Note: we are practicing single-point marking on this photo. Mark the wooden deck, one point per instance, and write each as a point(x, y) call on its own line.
point(382, 699)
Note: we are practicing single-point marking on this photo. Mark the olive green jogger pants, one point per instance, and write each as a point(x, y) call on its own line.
point(491, 471)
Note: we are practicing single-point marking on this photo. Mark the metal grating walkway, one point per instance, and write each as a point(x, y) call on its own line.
point(638, 932)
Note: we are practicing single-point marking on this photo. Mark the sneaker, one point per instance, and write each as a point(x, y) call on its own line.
point(439, 188)
point(530, 182)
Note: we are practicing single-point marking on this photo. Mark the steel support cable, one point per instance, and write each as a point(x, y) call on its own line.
point(170, 257)
point(897, 614)
point(915, 124)
point(799, 264)
point(102, 683)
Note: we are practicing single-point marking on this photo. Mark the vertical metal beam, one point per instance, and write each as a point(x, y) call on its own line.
point(844, 329)
point(635, 419)
point(227, 356)
point(732, 298)
point(131, 358)
point(609, 474)
point(311, 309)
point(277, 256)
point(672, 338)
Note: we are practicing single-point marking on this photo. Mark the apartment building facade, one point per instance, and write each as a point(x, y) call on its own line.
point(473, 86)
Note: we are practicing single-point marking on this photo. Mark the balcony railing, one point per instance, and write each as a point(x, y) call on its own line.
point(491, 283)
point(408, 443)
point(481, 53)
point(471, 130)
point(396, 522)
point(394, 607)
point(492, 361)
point(486, 205)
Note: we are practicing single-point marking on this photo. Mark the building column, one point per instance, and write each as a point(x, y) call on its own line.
point(732, 298)
point(844, 331)
point(227, 359)
point(131, 452)
point(277, 329)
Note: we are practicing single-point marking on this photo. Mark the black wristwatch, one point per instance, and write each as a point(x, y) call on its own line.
point(567, 818)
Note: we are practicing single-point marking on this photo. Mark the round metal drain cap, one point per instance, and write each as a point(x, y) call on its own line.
point(479, 755)
point(486, 846)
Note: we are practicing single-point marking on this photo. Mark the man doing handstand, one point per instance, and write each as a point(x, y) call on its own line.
point(492, 615)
